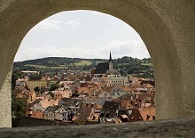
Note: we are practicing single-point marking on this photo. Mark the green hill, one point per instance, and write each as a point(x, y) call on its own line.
point(126, 65)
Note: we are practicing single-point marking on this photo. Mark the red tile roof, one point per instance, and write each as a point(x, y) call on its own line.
point(37, 115)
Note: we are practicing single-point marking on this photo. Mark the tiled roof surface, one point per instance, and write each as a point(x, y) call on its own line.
point(37, 114)
point(109, 109)
point(150, 111)
point(83, 113)
point(102, 68)
point(50, 109)
point(70, 102)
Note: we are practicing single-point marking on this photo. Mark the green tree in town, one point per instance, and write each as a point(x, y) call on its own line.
point(53, 87)
point(18, 111)
point(15, 75)
point(37, 89)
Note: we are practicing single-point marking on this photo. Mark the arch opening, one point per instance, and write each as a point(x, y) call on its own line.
point(162, 33)
point(53, 24)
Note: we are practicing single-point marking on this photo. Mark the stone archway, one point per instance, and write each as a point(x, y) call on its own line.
point(167, 28)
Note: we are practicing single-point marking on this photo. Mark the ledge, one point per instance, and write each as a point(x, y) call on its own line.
point(164, 128)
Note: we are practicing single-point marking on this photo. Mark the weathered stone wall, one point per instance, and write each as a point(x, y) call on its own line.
point(166, 26)
point(183, 128)
point(32, 122)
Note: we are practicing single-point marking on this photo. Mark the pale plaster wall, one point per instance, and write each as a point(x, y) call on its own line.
point(167, 28)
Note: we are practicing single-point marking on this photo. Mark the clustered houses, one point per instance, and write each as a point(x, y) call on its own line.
point(100, 97)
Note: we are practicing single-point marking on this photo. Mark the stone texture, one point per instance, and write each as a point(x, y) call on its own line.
point(156, 129)
point(166, 26)
point(5, 103)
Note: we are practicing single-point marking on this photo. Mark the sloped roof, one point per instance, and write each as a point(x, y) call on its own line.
point(148, 85)
point(83, 89)
point(151, 111)
point(37, 114)
point(151, 82)
point(126, 88)
point(35, 101)
point(70, 102)
point(111, 105)
point(82, 115)
point(109, 109)
point(126, 104)
point(50, 109)
point(102, 68)
point(18, 89)
point(45, 103)
point(133, 114)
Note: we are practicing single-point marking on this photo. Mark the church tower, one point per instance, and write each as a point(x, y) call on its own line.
point(111, 70)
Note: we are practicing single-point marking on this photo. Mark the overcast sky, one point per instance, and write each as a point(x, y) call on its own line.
point(81, 34)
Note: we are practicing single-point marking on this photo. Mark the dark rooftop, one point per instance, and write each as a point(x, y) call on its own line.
point(102, 68)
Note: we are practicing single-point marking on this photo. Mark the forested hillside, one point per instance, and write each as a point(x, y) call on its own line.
point(126, 65)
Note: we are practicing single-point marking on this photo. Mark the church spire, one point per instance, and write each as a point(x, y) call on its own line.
point(110, 64)
point(110, 60)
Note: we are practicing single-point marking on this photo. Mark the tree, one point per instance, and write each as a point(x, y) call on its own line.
point(18, 111)
point(37, 89)
point(15, 76)
point(53, 87)
point(42, 90)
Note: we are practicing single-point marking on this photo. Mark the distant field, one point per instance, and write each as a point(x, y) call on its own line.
point(44, 67)
point(36, 66)
point(83, 63)
point(100, 61)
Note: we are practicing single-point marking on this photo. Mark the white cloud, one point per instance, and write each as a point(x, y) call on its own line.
point(73, 23)
point(49, 24)
point(119, 49)
point(133, 48)
point(83, 43)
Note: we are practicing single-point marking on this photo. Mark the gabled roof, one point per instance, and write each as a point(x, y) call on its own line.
point(144, 82)
point(109, 113)
point(45, 103)
point(35, 101)
point(62, 107)
point(82, 115)
point(126, 104)
point(150, 111)
point(109, 109)
point(111, 105)
point(70, 102)
point(122, 112)
point(126, 88)
point(102, 68)
point(50, 109)
point(37, 114)
point(133, 114)
point(18, 89)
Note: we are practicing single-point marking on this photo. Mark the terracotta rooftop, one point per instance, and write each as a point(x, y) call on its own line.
point(45, 103)
point(148, 113)
point(37, 114)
